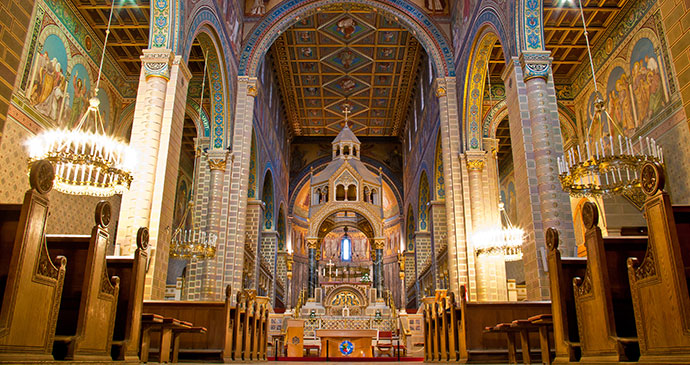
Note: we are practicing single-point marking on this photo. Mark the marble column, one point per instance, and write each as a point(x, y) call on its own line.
point(379, 244)
point(156, 138)
point(311, 281)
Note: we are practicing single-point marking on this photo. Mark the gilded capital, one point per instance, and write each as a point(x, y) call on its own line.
point(379, 243)
point(217, 164)
point(441, 91)
point(312, 243)
point(475, 165)
point(536, 64)
point(252, 90)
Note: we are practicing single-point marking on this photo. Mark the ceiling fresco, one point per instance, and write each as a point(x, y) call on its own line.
point(356, 58)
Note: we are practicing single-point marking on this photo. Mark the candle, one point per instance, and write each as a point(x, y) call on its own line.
point(620, 143)
point(596, 149)
point(587, 148)
point(603, 150)
point(611, 143)
point(640, 140)
point(649, 147)
point(579, 155)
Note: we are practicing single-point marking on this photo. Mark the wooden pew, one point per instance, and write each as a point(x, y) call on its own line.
point(215, 317)
point(30, 282)
point(474, 317)
point(89, 299)
point(659, 282)
point(132, 273)
point(460, 336)
point(605, 317)
point(561, 274)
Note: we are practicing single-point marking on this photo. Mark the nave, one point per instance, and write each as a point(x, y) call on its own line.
point(344, 180)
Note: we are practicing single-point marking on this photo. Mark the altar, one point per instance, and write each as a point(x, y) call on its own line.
point(346, 343)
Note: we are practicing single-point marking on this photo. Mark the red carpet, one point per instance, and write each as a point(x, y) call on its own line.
point(346, 359)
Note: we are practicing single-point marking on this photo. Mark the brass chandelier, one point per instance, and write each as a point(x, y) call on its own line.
point(86, 159)
point(606, 166)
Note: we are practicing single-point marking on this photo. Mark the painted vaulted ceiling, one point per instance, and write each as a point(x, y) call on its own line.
point(354, 57)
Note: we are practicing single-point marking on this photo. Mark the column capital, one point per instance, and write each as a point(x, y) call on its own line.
point(535, 64)
point(217, 159)
point(312, 243)
point(157, 62)
point(441, 89)
point(475, 160)
point(379, 243)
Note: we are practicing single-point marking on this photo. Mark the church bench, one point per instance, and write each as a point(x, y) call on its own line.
point(510, 332)
point(28, 275)
point(132, 273)
point(86, 319)
point(659, 281)
point(562, 271)
point(605, 316)
point(152, 322)
point(473, 345)
point(250, 327)
point(214, 317)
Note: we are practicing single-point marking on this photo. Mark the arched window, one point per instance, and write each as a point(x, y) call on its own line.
point(374, 196)
point(366, 194)
point(352, 193)
point(346, 248)
point(340, 193)
point(346, 150)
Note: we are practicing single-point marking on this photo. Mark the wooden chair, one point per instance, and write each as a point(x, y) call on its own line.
point(210, 330)
point(132, 274)
point(89, 299)
point(659, 283)
point(561, 273)
point(602, 297)
point(30, 282)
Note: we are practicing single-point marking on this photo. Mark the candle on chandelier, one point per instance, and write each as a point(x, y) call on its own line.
point(587, 148)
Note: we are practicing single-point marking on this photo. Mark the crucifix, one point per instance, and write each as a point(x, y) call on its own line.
point(346, 110)
point(330, 265)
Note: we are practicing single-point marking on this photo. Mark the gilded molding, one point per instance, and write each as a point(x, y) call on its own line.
point(379, 243)
point(441, 91)
point(252, 90)
point(312, 243)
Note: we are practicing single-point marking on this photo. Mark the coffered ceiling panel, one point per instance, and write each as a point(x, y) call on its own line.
point(346, 57)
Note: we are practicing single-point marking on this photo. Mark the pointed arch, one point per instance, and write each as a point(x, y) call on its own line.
point(439, 181)
point(267, 197)
point(423, 202)
point(251, 191)
point(410, 229)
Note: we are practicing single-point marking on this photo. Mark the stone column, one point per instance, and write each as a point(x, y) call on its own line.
point(267, 253)
point(475, 166)
point(239, 175)
point(217, 161)
point(156, 138)
point(492, 190)
point(439, 234)
point(422, 244)
point(311, 245)
point(451, 143)
point(548, 145)
point(410, 273)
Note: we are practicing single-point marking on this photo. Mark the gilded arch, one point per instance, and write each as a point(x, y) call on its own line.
point(333, 207)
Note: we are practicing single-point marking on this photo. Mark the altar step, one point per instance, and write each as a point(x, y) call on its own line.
point(348, 359)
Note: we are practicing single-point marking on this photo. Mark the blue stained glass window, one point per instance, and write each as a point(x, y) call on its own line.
point(345, 249)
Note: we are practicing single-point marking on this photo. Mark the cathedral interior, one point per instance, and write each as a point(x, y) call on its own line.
point(305, 180)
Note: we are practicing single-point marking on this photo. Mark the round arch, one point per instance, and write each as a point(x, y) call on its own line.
point(475, 82)
point(334, 207)
point(285, 14)
point(216, 76)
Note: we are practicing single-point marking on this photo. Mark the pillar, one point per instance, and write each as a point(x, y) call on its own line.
point(241, 132)
point(459, 272)
point(210, 283)
point(422, 244)
point(475, 167)
point(311, 282)
point(439, 234)
point(379, 244)
point(156, 138)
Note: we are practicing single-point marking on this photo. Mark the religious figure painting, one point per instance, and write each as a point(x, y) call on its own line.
point(47, 91)
point(647, 80)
